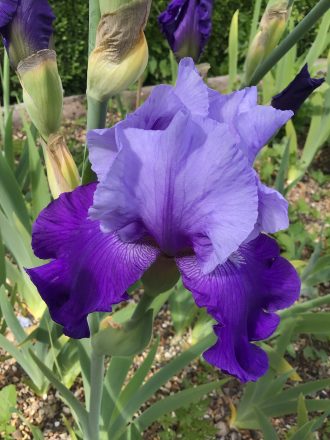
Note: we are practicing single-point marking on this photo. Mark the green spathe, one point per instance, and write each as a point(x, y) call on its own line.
point(42, 91)
point(271, 29)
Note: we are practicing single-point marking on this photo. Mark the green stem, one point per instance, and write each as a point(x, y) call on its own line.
point(174, 67)
point(96, 111)
point(96, 389)
point(304, 26)
point(304, 307)
point(6, 86)
point(143, 305)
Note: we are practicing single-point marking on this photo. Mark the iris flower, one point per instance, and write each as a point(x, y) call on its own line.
point(187, 25)
point(294, 95)
point(26, 27)
point(176, 183)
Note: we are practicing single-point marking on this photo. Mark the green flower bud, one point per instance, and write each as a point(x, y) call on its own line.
point(62, 172)
point(271, 29)
point(42, 91)
point(121, 52)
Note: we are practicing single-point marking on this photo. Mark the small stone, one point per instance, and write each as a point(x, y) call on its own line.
point(222, 428)
point(56, 424)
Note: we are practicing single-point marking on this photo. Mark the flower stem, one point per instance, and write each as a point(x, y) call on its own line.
point(304, 26)
point(96, 111)
point(97, 375)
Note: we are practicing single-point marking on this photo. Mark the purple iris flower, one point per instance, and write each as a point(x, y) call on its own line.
point(26, 27)
point(176, 181)
point(294, 95)
point(187, 25)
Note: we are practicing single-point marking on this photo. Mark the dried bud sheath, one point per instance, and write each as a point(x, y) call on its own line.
point(121, 52)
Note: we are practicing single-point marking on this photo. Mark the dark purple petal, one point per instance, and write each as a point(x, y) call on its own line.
point(7, 11)
point(90, 270)
point(186, 186)
point(294, 95)
point(242, 295)
point(29, 30)
point(187, 25)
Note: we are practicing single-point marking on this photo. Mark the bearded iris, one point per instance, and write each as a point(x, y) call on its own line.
point(187, 25)
point(176, 183)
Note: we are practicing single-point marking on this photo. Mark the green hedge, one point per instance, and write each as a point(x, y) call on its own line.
point(72, 31)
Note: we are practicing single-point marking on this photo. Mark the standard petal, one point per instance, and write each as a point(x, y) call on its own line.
point(273, 210)
point(191, 89)
point(91, 270)
point(242, 295)
point(102, 148)
point(255, 124)
point(186, 186)
point(7, 11)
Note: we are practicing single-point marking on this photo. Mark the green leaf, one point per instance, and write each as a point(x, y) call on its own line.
point(183, 308)
point(283, 171)
point(24, 361)
point(8, 399)
point(172, 403)
point(2, 262)
point(316, 323)
point(302, 413)
point(156, 381)
point(233, 51)
point(79, 411)
point(113, 382)
point(11, 199)
point(39, 184)
point(135, 383)
point(255, 19)
point(320, 42)
point(305, 388)
point(267, 428)
point(84, 350)
point(10, 317)
point(128, 340)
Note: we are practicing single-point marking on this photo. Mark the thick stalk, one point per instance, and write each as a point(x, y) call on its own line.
point(298, 32)
point(6, 86)
point(143, 305)
point(96, 111)
point(97, 375)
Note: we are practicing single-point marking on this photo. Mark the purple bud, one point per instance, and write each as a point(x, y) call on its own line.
point(187, 25)
point(294, 95)
point(26, 27)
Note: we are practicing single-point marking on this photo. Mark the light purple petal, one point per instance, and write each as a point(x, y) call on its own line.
point(255, 124)
point(273, 210)
point(90, 270)
point(186, 186)
point(242, 295)
point(191, 89)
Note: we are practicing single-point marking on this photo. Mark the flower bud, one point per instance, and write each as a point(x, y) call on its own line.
point(42, 91)
point(271, 28)
point(161, 276)
point(62, 172)
point(121, 52)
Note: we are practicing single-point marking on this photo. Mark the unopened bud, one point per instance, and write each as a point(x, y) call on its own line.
point(62, 172)
point(42, 91)
point(121, 52)
point(271, 29)
point(161, 276)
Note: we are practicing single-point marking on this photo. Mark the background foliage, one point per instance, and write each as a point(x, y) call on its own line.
point(72, 35)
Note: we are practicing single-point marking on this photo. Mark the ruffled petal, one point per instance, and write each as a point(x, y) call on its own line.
point(294, 95)
point(242, 295)
point(191, 89)
point(7, 11)
point(90, 270)
point(273, 210)
point(186, 186)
